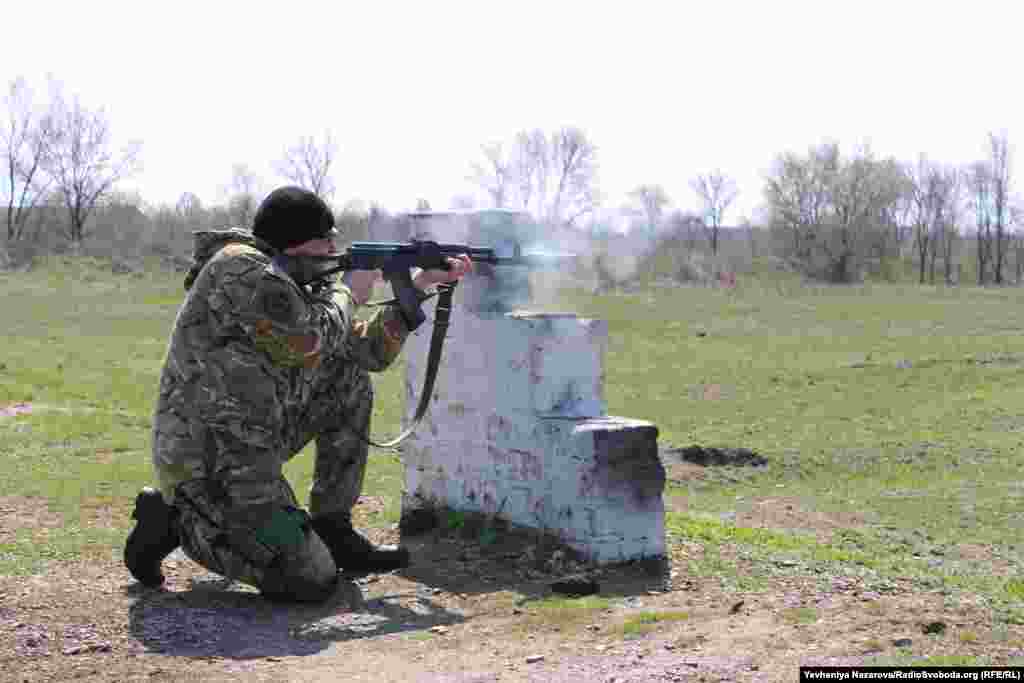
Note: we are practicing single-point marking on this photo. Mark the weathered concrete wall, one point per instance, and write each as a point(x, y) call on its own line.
point(518, 428)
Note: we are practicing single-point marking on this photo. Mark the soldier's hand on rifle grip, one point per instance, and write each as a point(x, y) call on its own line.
point(457, 267)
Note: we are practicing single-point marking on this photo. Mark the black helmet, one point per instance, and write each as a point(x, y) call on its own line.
point(290, 216)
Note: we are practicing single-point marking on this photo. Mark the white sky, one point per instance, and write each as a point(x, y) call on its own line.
point(411, 90)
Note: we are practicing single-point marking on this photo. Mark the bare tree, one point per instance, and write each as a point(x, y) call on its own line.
point(552, 176)
point(25, 137)
point(244, 195)
point(929, 189)
point(887, 238)
point(979, 186)
point(865, 190)
point(833, 207)
point(574, 162)
point(493, 175)
point(797, 194)
point(1017, 221)
point(716, 192)
point(953, 215)
point(651, 201)
point(919, 177)
point(944, 220)
point(81, 160)
point(1000, 177)
point(989, 184)
point(531, 166)
point(308, 164)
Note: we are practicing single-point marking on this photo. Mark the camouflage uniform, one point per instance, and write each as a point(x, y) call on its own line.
point(256, 368)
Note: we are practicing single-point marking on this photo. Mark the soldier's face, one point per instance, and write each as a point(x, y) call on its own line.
point(319, 247)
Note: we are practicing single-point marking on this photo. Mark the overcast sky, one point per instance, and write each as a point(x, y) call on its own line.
point(411, 90)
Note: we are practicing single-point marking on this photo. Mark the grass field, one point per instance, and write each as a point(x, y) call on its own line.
point(897, 409)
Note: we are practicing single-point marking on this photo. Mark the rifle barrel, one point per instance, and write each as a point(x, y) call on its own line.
point(533, 259)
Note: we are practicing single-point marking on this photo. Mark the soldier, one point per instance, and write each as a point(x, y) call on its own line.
point(256, 368)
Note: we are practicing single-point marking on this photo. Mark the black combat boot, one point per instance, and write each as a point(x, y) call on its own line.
point(353, 552)
point(154, 537)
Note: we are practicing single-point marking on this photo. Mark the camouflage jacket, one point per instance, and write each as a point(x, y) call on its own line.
point(242, 362)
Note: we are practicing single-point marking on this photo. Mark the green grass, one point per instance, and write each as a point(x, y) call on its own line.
point(800, 615)
point(1014, 589)
point(556, 612)
point(556, 603)
point(645, 622)
point(904, 404)
point(420, 636)
point(901, 403)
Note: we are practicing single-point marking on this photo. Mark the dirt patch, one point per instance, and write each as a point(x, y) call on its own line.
point(15, 409)
point(472, 611)
point(369, 511)
point(371, 505)
point(20, 512)
point(98, 512)
point(972, 552)
point(978, 556)
point(105, 456)
point(685, 472)
point(789, 514)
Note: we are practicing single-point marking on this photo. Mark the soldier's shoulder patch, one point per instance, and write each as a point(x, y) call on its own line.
point(237, 249)
point(277, 304)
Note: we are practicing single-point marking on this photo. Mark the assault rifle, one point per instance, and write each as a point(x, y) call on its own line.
point(396, 260)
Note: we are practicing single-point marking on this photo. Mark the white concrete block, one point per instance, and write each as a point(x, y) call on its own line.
point(597, 483)
point(548, 365)
point(518, 427)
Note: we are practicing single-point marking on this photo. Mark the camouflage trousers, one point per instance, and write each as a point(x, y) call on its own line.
point(304, 572)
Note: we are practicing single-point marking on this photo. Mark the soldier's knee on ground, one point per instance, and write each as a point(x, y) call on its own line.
point(306, 574)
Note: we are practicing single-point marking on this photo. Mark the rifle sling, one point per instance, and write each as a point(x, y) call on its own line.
point(442, 314)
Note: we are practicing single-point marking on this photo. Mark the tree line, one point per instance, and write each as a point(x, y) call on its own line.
point(831, 214)
point(828, 213)
point(834, 211)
